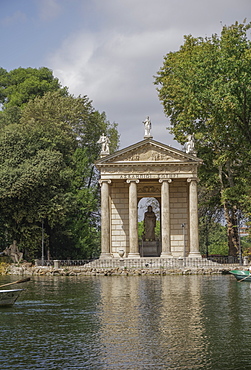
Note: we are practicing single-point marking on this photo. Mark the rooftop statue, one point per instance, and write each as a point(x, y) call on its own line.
point(148, 127)
point(189, 145)
point(104, 141)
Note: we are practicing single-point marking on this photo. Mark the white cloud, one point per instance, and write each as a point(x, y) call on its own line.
point(115, 65)
point(49, 9)
point(110, 67)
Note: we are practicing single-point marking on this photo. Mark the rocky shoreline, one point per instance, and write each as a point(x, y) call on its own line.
point(27, 269)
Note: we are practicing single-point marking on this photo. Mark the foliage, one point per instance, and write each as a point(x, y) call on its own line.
point(246, 245)
point(141, 229)
point(205, 88)
point(48, 146)
point(20, 85)
point(3, 266)
point(214, 240)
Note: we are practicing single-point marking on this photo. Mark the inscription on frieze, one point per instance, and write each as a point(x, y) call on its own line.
point(150, 171)
point(148, 176)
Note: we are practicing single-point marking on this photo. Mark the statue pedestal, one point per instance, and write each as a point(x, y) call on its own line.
point(149, 249)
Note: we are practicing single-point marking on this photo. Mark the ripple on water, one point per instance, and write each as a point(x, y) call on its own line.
point(169, 322)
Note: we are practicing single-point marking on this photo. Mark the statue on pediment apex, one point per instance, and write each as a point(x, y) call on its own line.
point(148, 126)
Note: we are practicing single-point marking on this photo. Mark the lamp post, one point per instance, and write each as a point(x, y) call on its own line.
point(42, 242)
point(184, 245)
point(239, 236)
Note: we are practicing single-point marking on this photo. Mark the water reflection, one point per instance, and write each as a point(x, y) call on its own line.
point(152, 321)
point(145, 322)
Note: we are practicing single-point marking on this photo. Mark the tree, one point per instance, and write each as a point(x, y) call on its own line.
point(215, 242)
point(47, 174)
point(205, 88)
point(20, 85)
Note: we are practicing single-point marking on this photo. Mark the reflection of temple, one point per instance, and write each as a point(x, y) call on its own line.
point(144, 323)
point(149, 169)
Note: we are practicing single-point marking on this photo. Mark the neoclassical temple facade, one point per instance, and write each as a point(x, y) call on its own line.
point(153, 170)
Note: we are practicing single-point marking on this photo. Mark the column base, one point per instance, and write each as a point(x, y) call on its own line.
point(133, 255)
point(194, 255)
point(105, 255)
point(166, 255)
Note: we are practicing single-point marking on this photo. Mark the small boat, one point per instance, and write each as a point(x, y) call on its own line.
point(241, 275)
point(9, 297)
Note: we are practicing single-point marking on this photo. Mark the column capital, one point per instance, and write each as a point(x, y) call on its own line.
point(101, 181)
point(190, 179)
point(165, 180)
point(132, 180)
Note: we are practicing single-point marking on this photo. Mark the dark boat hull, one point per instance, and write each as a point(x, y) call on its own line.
point(9, 297)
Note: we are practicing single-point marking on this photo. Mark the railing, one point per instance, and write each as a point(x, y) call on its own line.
point(224, 259)
point(154, 263)
point(142, 263)
point(62, 263)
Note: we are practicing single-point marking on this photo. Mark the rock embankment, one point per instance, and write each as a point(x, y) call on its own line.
point(31, 270)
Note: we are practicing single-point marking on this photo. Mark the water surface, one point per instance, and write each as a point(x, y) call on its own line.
point(145, 322)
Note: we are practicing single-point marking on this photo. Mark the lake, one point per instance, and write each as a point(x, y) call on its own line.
point(128, 322)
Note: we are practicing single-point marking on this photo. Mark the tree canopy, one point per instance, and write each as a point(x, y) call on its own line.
point(205, 89)
point(48, 145)
point(20, 85)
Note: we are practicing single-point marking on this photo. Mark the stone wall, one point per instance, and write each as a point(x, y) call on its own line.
point(27, 269)
point(119, 217)
point(179, 216)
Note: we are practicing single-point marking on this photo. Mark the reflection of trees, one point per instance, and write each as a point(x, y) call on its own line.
point(226, 322)
point(59, 326)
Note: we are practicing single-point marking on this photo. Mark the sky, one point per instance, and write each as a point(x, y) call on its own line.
point(110, 50)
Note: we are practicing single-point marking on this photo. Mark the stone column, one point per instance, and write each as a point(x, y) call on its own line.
point(105, 219)
point(193, 219)
point(165, 218)
point(133, 220)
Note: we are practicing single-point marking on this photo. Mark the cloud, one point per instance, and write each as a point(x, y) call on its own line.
point(114, 62)
point(17, 17)
point(49, 9)
point(131, 15)
point(112, 66)
point(116, 71)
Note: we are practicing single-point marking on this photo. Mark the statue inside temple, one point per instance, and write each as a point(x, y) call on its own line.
point(149, 225)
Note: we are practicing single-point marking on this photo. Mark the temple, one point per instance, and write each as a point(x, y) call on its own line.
point(149, 169)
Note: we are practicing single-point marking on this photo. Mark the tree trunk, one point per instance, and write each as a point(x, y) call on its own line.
point(232, 231)
point(230, 216)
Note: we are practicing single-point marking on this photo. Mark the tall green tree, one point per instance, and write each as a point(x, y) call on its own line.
point(205, 88)
point(47, 174)
point(20, 85)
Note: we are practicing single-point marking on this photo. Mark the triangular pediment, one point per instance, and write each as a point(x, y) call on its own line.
point(147, 151)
